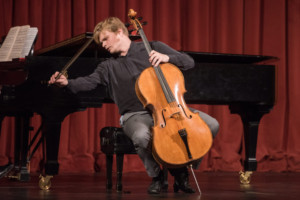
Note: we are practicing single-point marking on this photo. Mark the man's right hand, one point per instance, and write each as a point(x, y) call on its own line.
point(62, 81)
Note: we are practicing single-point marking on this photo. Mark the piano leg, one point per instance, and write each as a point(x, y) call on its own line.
point(18, 142)
point(251, 116)
point(5, 169)
point(51, 130)
point(21, 145)
point(250, 138)
point(22, 128)
point(52, 119)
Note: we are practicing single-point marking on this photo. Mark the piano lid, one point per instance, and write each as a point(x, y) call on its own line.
point(202, 57)
point(69, 47)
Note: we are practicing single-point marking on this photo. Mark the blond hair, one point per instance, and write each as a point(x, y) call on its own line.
point(112, 24)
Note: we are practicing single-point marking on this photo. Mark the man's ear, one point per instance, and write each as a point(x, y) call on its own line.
point(120, 32)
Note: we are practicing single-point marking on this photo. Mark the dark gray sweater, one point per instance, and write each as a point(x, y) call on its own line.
point(119, 74)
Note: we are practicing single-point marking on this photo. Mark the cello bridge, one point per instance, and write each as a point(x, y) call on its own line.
point(175, 115)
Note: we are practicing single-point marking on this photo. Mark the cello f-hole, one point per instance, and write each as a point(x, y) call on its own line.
point(189, 117)
point(162, 125)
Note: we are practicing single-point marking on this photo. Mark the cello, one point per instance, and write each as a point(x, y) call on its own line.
point(179, 136)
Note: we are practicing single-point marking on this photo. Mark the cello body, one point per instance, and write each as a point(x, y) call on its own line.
point(180, 136)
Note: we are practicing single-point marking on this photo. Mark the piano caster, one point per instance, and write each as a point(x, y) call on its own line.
point(15, 176)
point(19, 175)
point(45, 182)
point(245, 177)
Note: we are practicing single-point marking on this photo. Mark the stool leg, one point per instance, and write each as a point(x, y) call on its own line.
point(119, 158)
point(109, 162)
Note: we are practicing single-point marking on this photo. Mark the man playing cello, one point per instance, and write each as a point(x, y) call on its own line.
point(119, 74)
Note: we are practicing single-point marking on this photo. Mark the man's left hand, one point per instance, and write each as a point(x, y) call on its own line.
point(156, 58)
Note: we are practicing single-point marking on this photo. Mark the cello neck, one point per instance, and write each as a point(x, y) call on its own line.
point(145, 40)
point(160, 76)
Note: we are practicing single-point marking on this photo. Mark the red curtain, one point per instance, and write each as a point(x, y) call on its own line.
point(264, 27)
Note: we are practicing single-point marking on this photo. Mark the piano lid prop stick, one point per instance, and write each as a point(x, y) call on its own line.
point(73, 59)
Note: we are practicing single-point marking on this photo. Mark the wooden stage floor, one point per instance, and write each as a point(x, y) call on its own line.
point(214, 185)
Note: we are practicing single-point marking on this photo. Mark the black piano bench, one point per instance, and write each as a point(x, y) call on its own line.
point(114, 141)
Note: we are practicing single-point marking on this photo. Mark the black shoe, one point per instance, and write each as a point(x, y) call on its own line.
point(182, 183)
point(156, 185)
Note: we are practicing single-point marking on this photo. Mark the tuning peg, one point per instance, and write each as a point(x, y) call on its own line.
point(134, 33)
point(130, 31)
point(144, 23)
point(127, 25)
point(140, 18)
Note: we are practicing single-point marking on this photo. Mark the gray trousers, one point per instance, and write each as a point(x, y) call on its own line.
point(137, 126)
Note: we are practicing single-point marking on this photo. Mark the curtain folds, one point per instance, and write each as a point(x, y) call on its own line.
point(260, 27)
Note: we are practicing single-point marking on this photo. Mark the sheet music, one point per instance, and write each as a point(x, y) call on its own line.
point(31, 35)
point(18, 42)
point(8, 43)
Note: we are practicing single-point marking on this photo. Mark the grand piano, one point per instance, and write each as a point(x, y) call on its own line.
point(240, 81)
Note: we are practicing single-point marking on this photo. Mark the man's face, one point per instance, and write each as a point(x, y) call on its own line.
point(110, 41)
